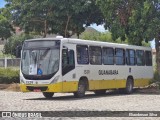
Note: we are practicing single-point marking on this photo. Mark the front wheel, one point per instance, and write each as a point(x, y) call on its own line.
point(48, 94)
point(81, 89)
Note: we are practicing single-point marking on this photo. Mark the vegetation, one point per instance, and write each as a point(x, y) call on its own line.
point(5, 28)
point(127, 21)
point(14, 44)
point(135, 20)
point(91, 34)
point(8, 76)
point(53, 16)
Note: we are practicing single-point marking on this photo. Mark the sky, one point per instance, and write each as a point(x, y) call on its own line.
point(99, 27)
point(2, 3)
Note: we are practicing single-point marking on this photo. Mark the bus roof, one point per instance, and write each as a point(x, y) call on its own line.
point(93, 43)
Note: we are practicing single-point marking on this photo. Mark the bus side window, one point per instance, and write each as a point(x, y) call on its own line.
point(95, 54)
point(140, 58)
point(108, 56)
point(148, 58)
point(130, 57)
point(119, 56)
point(82, 54)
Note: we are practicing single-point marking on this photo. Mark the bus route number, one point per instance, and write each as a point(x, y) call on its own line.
point(86, 71)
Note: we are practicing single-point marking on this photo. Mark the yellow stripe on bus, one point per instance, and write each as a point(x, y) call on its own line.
point(72, 86)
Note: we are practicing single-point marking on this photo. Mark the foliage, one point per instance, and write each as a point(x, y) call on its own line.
point(53, 16)
point(8, 76)
point(138, 20)
point(14, 44)
point(105, 37)
point(156, 79)
point(5, 28)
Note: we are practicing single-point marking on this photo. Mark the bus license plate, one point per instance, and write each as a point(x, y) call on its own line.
point(37, 90)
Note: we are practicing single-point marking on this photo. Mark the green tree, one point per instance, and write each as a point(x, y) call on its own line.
point(5, 28)
point(65, 17)
point(137, 20)
point(14, 44)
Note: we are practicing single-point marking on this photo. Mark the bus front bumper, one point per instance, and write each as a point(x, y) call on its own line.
point(41, 88)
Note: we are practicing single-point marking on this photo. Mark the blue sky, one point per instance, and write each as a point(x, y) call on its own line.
point(99, 27)
point(2, 3)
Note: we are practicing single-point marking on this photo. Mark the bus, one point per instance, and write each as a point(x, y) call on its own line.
point(67, 65)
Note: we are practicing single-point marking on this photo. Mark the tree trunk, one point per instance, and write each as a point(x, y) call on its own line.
point(45, 29)
point(157, 44)
point(78, 35)
point(66, 29)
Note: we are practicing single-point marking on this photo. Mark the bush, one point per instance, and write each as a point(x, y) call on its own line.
point(8, 76)
point(156, 77)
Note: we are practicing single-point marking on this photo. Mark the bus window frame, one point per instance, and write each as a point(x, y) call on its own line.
point(130, 57)
point(92, 56)
point(142, 57)
point(124, 61)
point(108, 56)
point(87, 54)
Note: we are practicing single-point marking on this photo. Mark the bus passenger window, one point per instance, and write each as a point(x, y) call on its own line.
point(95, 54)
point(82, 54)
point(130, 57)
point(108, 56)
point(148, 58)
point(119, 56)
point(140, 57)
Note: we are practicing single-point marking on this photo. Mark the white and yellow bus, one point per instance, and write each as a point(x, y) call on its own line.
point(59, 65)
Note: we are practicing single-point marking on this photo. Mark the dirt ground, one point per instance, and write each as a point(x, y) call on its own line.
point(10, 87)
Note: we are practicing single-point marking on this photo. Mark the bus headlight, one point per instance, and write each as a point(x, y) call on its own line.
point(22, 81)
point(55, 79)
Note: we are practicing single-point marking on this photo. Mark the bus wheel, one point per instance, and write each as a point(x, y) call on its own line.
point(81, 89)
point(48, 94)
point(100, 92)
point(129, 86)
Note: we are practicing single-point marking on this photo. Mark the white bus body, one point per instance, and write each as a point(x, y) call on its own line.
point(74, 65)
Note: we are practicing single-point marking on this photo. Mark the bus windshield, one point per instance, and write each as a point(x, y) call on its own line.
point(40, 57)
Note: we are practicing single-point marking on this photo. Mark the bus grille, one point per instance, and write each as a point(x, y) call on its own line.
point(32, 88)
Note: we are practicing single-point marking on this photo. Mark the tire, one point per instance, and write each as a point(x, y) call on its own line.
point(82, 87)
point(100, 92)
point(48, 94)
point(129, 86)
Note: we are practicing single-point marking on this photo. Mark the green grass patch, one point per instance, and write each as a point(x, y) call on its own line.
point(8, 76)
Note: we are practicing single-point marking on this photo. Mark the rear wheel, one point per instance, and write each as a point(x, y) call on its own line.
point(129, 86)
point(82, 87)
point(100, 92)
point(48, 94)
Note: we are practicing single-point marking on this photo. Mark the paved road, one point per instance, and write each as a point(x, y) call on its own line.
point(18, 101)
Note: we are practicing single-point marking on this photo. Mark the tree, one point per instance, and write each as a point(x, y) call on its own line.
point(14, 44)
point(136, 20)
point(66, 17)
point(5, 28)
